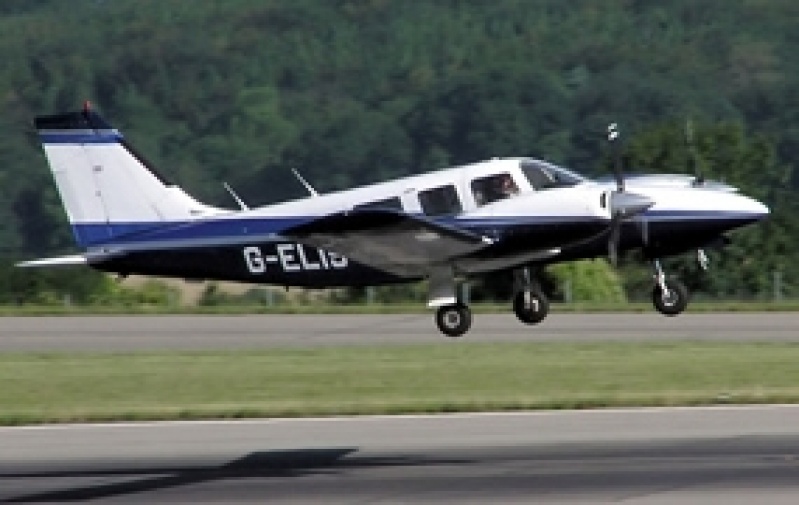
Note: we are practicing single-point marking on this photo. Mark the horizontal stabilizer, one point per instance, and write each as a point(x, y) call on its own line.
point(388, 240)
point(59, 261)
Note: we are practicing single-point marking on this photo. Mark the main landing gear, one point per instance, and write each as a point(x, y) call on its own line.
point(669, 296)
point(530, 304)
point(453, 316)
point(454, 320)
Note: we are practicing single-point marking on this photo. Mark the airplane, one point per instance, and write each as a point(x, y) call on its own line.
point(446, 226)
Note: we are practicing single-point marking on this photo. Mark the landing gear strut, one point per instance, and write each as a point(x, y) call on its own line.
point(530, 304)
point(669, 296)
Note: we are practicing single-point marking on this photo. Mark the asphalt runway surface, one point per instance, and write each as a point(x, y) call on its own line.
point(210, 332)
point(719, 455)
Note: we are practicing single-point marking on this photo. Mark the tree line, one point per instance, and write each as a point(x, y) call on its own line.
point(355, 91)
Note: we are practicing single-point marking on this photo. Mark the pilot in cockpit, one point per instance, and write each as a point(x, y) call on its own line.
point(507, 187)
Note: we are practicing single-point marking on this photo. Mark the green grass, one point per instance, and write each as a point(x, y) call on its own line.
point(446, 377)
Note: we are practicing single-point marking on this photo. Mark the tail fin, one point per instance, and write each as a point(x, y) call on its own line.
point(107, 189)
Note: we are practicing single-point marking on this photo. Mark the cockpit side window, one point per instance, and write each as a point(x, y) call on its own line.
point(545, 176)
point(540, 178)
point(493, 187)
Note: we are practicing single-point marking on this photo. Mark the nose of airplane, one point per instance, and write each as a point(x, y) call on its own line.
point(720, 208)
point(751, 207)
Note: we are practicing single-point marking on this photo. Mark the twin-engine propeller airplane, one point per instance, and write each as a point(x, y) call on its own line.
point(503, 214)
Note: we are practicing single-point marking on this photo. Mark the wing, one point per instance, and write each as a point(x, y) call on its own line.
point(388, 240)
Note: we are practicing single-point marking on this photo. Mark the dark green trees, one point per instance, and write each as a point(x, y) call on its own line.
point(354, 91)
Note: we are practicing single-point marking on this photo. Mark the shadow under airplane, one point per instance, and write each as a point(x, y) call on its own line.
point(280, 464)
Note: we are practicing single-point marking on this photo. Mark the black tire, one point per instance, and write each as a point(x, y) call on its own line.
point(672, 303)
point(454, 320)
point(531, 307)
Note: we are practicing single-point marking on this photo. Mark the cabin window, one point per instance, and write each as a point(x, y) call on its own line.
point(493, 187)
point(392, 203)
point(441, 201)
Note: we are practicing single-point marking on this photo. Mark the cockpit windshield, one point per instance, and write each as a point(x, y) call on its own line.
point(543, 175)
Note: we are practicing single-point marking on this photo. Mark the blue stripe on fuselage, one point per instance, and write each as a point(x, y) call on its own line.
point(120, 233)
point(88, 234)
point(698, 215)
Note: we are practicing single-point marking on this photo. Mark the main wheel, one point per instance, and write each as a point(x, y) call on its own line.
point(454, 320)
point(531, 306)
point(673, 301)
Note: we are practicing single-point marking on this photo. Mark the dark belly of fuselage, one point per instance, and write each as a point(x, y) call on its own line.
point(279, 263)
point(531, 237)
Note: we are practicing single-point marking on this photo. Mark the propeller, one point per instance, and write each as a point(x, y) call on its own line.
point(623, 204)
point(613, 138)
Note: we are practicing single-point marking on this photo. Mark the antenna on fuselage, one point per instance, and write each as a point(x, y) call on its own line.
point(305, 183)
point(242, 205)
point(693, 162)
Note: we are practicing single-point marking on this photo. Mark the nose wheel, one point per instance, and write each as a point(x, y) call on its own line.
point(669, 296)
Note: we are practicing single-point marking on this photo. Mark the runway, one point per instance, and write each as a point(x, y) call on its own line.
point(637, 457)
point(209, 332)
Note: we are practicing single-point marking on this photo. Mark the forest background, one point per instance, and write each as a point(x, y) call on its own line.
point(357, 91)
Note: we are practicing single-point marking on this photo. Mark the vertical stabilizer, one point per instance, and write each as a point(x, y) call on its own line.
point(107, 189)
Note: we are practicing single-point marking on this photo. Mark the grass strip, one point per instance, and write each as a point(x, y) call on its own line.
point(445, 377)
